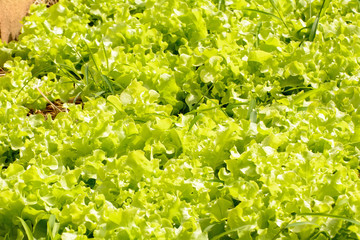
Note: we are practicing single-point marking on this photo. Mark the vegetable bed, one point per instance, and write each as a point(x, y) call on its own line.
point(182, 119)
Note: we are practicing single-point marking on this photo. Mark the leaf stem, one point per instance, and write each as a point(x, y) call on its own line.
point(53, 105)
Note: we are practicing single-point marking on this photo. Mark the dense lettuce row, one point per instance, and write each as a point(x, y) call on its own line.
point(200, 120)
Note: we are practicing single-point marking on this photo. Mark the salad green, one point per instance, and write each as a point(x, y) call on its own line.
point(207, 119)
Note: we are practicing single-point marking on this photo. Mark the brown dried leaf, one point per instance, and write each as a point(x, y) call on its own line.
point(11, 14)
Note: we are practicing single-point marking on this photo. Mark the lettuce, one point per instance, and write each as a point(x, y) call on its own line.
point(198, 120)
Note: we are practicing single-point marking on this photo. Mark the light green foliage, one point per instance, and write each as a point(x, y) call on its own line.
point(207, 119)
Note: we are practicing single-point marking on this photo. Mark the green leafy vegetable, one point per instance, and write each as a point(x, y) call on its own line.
point(206, 119)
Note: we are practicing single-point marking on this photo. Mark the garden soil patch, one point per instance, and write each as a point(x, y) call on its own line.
point(54, 108)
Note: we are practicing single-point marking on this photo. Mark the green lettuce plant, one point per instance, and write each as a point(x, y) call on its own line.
point(199, 120)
